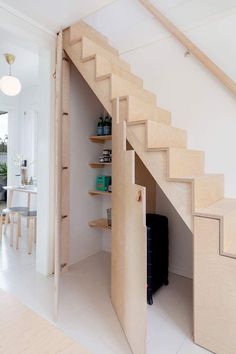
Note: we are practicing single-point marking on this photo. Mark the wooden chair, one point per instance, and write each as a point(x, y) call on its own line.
point(12, 212)
point(31, 217)
point(1, 222)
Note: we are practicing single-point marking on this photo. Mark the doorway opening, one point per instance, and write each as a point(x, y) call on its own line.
point(3, 157)
point(26, 250)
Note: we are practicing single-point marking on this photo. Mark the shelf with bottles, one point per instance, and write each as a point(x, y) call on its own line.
point(105, 159)
point(100, 139)
point(99, 164)
point(104, 128)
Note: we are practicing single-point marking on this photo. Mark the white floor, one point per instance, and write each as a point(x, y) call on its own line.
point(86, 313)
point(170, 319)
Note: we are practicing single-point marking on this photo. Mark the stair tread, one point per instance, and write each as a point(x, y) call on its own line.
point(197, 177)
point(86, 30)
point(218, 209)
point(144, 121)
point(94, 48)
point(139, 110)
point(139, 92)
point(111, 68)
point(176, 148)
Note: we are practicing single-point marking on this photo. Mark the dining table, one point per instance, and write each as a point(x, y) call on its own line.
point(29, 189)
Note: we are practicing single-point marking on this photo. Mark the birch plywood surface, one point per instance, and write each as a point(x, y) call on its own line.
point(23, 331)
point(129, 253)
point(214, 290)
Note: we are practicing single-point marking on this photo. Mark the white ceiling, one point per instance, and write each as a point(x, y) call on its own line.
point(26, 63)
point(56, 14)
point(128, 25)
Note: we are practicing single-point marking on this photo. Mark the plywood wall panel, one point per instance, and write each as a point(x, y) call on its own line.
point(214, 290)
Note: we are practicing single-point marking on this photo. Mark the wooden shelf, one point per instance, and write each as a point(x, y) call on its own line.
point(99, 164)
point(99, 193)
point(100, 224)
point(100, 138)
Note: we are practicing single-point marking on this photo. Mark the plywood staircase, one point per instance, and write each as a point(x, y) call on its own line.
point(180, 172)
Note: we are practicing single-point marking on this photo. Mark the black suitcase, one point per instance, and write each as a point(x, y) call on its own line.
point(157, 253)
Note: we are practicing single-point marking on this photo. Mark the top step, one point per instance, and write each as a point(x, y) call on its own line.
point(82, 29)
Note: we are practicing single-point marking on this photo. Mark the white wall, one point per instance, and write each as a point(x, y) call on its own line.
point(11, 105)
point(36, 39)
point(29, 105)
point(85, 110)
point(180, 238)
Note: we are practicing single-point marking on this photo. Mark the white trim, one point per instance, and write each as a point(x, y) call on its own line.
point(25, 18)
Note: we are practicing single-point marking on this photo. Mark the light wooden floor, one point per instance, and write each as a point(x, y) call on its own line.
point(23, 331)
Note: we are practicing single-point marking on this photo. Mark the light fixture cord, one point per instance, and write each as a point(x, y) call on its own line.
point(10, 70)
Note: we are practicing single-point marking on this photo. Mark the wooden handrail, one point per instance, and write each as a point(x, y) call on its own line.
point(191, 47)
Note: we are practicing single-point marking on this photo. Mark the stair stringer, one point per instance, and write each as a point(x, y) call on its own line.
point(87, 69)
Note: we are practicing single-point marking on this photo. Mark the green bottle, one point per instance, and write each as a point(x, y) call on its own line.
point(107, 127)
point(100, 126)
point(110, 125)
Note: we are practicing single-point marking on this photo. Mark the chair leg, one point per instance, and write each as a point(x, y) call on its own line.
point(35, 230)
point(30, 235)
point(1, 228)
point(18, 224)
point(6, 220)
point(11, 229)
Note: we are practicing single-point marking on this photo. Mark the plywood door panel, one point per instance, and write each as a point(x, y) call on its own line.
point(65, 111)
point(129, 277)
point(143, 177)
point(65, 226)
point(214, 290)
point(65, 140)
point(65, 180)
point(58, 113)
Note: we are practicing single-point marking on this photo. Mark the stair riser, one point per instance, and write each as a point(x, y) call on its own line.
point(80, 30)
point(105, 67)
point(90, 49)
point(164, 136)
point(207, 191)
point(129, 110)
point(182, 162)
point(120, 87)
point(178, 193)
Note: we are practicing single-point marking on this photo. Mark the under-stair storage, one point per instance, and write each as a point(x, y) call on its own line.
point(148, 154)
point(86, 224)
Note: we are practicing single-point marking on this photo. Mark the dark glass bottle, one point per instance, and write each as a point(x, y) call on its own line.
point(100, 126)
point(107, 127)
point(110, 125)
